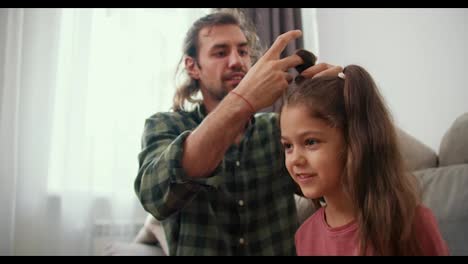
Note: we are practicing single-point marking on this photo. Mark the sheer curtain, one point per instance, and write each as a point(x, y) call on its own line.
point(77, 85)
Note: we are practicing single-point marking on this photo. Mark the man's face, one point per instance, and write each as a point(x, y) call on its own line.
point(223, 60)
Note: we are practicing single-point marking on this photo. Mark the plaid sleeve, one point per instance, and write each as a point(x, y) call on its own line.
point(162, 184)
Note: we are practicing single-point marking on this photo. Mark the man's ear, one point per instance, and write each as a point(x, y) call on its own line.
point(191, 67)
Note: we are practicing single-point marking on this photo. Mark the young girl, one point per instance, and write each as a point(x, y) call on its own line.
point(341, 149)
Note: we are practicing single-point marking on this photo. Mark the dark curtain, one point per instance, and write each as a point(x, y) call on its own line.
point(269, 24)
point(272, 22)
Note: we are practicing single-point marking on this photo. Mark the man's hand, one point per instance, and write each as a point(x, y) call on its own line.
point(322, 69)
point(266, 81)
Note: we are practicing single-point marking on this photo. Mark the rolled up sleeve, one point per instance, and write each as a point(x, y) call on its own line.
point(162, 185)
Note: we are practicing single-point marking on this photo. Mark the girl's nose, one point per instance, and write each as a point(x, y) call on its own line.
point(298, 158)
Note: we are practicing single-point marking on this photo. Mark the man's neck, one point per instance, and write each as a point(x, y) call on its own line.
point(209, 100)
point(210, 106)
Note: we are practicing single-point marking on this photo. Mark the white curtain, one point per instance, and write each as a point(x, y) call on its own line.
point(76, 87)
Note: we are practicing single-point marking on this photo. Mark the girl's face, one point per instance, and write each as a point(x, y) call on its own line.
point(315, 152)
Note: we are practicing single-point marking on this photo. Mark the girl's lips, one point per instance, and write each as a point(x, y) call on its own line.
point(304, 177)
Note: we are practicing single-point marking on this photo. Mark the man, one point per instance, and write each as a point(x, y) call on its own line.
point(215, 176)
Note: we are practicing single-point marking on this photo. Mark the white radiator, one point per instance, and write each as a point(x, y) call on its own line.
point(106, 232)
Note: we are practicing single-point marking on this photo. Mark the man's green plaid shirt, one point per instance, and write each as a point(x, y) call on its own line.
point(245, 208)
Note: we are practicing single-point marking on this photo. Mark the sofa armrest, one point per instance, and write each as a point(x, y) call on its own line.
point(132, 249)
point(152, 232)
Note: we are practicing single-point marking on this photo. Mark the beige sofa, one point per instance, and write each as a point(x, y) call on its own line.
point(443, 177)
point(445, 184)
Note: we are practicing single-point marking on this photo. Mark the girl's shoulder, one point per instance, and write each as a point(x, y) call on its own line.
point(424, 213)
point(313, 221)
point(424, 220)
point(427, 230)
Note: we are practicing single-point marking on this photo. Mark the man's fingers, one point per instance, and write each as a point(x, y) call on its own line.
point(333, 71)
point(322, 69)
point(312, 71)
point(281, 42)
point(289, 62)
point(288, 77)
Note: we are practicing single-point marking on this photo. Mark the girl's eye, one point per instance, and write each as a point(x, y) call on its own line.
point(311, 142)
point(287, 146)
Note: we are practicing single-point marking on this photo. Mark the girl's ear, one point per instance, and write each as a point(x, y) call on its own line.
point(191, 67)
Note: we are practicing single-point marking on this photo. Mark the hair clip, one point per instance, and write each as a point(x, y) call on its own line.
point(341, 75)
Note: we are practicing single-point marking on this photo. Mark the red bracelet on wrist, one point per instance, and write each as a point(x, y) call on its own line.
point(250, 105)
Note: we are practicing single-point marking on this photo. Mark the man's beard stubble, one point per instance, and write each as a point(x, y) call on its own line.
point(219, 94)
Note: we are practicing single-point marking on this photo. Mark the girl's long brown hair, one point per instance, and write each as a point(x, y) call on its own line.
point(384, 193)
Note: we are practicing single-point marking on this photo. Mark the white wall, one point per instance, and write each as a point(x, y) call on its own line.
point(418, 57)
point(6, 156)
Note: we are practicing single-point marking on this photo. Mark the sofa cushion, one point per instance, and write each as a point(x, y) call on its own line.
point(152, 233)
point(454, 145)
point(131, 249)
point(305, 208)
point(416, 155)
point(445, 192)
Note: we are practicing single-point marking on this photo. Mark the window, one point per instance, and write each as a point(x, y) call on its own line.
point(116, 67)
